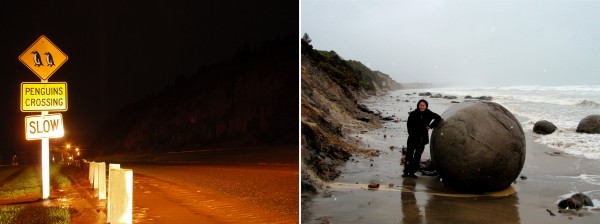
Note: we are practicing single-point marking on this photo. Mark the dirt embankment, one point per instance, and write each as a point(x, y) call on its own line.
point(331, 89)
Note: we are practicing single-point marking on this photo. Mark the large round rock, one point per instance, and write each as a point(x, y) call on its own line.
point(478, 147)
point(589, 124)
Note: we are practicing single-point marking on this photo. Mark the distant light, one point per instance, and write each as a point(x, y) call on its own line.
point(68, 146)
point(77, 149)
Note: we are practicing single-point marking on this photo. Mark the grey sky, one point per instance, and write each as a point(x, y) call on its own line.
point(467, 43)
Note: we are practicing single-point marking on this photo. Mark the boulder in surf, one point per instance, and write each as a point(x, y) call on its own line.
point(544, 127)
point(589, 124)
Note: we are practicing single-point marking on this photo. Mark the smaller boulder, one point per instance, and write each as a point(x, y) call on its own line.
point(589, 124)
point(576, 201)
point(544, 127)
point(436, 96)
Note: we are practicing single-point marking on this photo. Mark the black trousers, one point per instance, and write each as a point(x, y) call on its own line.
point(413, 158)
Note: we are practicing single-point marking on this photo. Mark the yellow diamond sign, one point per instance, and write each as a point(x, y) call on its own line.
point(43, 58)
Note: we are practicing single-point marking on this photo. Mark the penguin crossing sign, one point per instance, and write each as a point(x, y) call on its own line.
point(43, 96)
point(43, 58)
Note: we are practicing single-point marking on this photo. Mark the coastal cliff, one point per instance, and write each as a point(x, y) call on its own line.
point(250, 101)
point(331, 89)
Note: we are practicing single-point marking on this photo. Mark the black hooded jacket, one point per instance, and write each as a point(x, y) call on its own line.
point(417, 125)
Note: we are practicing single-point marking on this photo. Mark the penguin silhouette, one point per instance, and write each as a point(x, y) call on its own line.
point(49, 60)
point(37, 59)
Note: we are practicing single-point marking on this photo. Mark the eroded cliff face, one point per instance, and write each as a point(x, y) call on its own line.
point(251, 100)
point(331, 89)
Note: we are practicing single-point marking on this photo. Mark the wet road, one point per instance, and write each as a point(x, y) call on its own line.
point(215, 194)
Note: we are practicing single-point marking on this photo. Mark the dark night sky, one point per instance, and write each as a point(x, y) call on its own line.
point(120, 51)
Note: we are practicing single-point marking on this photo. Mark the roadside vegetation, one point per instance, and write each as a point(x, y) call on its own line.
point(25, 182)
point(34, 214)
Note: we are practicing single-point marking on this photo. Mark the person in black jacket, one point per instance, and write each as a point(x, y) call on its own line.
point(420, 121)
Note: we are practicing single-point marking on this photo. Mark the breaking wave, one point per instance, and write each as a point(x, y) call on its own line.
point(589, 103)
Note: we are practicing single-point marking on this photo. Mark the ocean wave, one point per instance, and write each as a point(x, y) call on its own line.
point(588, 103)
point(588, 178)
point(577, 88)
point(573, 143)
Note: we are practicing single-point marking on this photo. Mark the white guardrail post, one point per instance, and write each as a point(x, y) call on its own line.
point(91, 175)
point(110, 168)
point(121, 196)
point(102, 181)
point(96, 167)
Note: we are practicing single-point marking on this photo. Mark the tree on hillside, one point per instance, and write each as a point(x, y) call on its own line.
point(306, 38)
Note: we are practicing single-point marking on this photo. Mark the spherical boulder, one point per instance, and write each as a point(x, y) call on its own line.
point(479, 147)
point(544, 127)
point(589, 124)
point(576, 201)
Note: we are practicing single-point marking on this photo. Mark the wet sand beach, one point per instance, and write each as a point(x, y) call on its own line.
point(548, 178)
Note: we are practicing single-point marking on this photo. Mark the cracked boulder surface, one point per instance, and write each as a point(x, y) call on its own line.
point(479, 147)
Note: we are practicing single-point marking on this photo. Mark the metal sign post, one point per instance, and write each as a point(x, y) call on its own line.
point(45, 164)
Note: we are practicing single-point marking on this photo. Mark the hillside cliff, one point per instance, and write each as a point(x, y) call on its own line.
point(331, 89)
point(249, 101)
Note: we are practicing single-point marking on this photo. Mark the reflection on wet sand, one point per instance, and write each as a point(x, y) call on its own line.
point(410, 209)
point(472, 210)
point(445, 206)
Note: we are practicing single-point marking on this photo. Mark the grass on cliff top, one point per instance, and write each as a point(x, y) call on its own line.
point(344, 72)
point(26, 183)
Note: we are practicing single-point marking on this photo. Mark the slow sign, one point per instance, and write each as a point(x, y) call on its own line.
point(44, 126)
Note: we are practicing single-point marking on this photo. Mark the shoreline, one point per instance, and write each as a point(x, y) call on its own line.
point(548, 178)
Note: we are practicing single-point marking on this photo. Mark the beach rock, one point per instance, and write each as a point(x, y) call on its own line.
point(364, 108)
point(485, 98)
point(449, 97)
point(589, 124)
point(576, 201)
point(363, 118)
point(373, 185)
point(436, 96)
point(389, 118)
point(544, 127)
point(308, 185)
point(425, 94)
point(468, 97)
point(478, 147)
